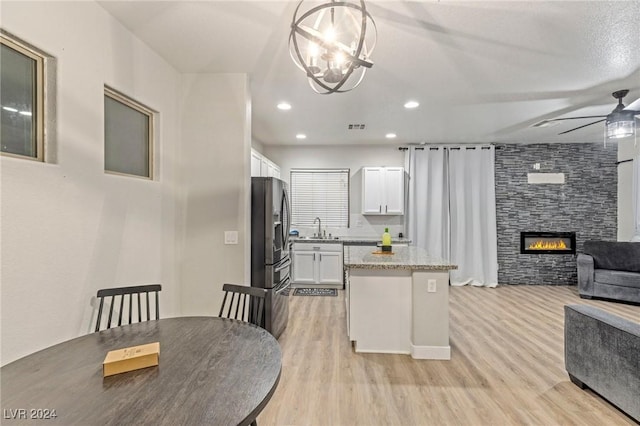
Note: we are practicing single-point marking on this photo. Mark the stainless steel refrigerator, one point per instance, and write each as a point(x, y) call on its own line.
point(270, 261)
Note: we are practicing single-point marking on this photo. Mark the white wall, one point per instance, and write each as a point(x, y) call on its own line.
point(258, 146)
point(626, 151)
point(353, 158)
point(68, 229)
point(215, 187)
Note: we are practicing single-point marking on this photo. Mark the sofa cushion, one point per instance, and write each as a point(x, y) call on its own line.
point(622, 278)
point(615, 255)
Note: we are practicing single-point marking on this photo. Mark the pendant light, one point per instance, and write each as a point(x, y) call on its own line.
point(332, 44)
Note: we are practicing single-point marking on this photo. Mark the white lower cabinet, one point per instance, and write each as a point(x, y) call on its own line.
point(317, 264)
point(303, 270)
point(330, 267)
point(397, 311)
point(380, 310)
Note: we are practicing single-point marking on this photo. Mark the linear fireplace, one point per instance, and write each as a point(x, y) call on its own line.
point(548, 242)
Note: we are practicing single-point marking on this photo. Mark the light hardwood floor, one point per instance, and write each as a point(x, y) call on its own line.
point(507, 367)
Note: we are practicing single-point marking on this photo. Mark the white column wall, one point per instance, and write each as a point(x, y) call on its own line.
point(626, 151)
point(67, 228)
point(215, 153)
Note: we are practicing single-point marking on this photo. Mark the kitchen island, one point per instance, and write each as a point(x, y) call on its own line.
point(399, 302)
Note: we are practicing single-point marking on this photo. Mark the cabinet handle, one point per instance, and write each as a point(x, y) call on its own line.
point(385, 209)
point(314, 257)
point(380, 209)
point(320, 257)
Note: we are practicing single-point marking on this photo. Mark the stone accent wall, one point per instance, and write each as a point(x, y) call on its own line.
point(585, 204)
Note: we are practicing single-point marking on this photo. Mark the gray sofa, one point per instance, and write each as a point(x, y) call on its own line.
point(602, 352)
point(610, 270)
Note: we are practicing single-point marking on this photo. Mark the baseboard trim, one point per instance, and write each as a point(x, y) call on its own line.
point(359, 349)
point(431, 352)
point(336, 286)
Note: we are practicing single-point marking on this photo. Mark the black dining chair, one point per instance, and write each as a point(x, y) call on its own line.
point(125, 296)
point(243, 303)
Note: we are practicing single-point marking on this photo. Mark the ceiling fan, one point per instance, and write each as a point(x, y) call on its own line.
point(620, 122)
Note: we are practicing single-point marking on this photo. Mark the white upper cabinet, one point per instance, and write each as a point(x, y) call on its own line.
point(256, 164)
point(262, 166)
point(273, 170)
point(372, 190)
point(394, 190)
point(383, 190)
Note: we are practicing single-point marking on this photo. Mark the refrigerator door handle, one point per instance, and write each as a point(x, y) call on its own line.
point(284, 265)
point(283, 287)
point(286, 217)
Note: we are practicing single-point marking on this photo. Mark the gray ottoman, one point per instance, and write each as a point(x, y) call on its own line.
point(602, 352)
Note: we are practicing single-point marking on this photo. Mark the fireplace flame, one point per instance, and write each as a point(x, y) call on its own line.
point(548, 245)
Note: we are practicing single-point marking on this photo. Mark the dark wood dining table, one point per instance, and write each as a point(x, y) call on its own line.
point(212, 371)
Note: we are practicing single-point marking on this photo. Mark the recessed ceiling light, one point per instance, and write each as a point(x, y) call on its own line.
point(390, 135)
point(412, 104)
point(284, 106)
point(301, 136)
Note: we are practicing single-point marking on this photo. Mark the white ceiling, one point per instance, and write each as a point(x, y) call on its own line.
point(482, 71)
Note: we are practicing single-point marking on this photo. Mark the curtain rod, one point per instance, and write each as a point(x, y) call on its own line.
point(436, 147)
point(624, 161)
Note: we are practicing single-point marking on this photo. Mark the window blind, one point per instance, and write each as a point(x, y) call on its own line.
point(322, 193)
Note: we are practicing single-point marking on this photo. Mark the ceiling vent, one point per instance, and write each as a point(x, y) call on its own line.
point(356, 127)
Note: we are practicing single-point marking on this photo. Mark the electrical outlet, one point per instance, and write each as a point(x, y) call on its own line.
point(431, 286)
point(231, 237)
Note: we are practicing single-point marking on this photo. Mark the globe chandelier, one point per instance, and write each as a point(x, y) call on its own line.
point(332, 44)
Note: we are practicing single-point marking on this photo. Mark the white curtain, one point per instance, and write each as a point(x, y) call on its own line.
point(636, 199)
point(474, 235)
point(452, 210)
point(428, 195)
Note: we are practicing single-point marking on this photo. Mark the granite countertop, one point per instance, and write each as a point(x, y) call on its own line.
point(347, 240)
point(406, 257)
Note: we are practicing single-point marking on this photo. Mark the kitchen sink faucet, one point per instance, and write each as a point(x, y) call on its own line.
point(319, 226)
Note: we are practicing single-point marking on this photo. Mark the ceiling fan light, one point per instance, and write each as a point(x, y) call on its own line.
point(620, 129)
point(620, 125)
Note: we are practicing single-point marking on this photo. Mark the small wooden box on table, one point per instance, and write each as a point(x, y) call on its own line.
point(129, 359)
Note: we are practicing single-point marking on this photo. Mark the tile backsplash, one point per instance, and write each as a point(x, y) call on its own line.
point(360, 226)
